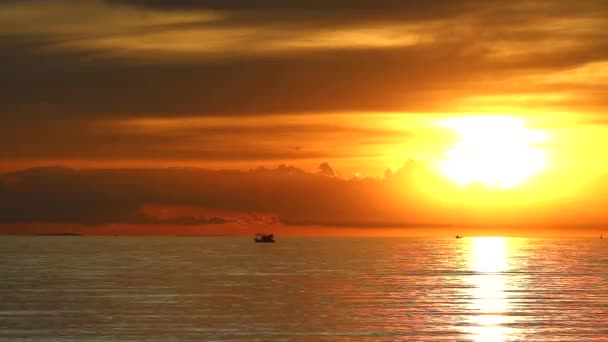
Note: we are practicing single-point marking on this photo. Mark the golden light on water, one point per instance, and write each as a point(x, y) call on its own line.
point(488, 254)
point(496, 151)
point(489, 259)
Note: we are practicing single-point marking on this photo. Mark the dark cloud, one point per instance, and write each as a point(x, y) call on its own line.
point(379, 80)
point(326, 170)
point(490, 13)
point(59, 195)
point(295, 197)
point(333, 11)
point(43, 78)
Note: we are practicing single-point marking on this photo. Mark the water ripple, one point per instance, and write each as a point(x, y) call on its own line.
point(326, 289)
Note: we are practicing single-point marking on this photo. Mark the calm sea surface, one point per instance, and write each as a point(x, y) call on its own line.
point(302, 289)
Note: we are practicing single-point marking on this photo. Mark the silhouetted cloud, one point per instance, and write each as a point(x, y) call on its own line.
point(326, 170)
point(261, 196)
point(60, 195)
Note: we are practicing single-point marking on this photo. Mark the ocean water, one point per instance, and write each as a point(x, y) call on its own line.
point(302, 289)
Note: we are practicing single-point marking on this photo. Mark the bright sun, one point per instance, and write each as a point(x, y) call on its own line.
point(496, 151)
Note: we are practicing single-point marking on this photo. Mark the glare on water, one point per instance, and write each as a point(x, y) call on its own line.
point(488, 259)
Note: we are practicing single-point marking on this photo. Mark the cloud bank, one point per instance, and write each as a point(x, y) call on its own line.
point(283, 195)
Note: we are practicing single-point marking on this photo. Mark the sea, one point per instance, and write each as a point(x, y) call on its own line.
point(114, 288)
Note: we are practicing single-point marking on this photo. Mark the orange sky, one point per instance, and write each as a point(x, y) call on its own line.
point(123, 94)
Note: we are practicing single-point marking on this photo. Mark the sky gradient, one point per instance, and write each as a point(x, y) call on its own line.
point(231, 116)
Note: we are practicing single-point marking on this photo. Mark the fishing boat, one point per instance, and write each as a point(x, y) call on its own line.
point(458, 237)
point(263, 237)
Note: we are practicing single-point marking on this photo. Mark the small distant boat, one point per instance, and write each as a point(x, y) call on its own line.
point(458, 237)
point(263, 237)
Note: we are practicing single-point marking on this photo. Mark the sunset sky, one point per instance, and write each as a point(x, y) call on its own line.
point(303, 117)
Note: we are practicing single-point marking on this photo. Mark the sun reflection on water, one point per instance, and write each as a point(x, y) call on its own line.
point(489, 260)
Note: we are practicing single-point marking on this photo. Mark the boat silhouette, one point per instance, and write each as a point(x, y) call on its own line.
point(263, 237)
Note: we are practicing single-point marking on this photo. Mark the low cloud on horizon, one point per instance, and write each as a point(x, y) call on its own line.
point(262, 198)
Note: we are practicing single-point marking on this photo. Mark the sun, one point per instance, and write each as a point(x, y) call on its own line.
point(496, 151)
